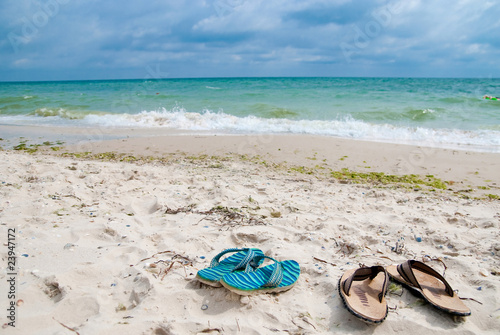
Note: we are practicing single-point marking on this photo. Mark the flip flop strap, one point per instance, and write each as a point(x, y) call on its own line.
point(406, 271)
point(242, 264)
point(367, 273)
point(276, 276)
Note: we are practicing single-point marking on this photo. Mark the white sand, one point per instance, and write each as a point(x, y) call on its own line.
point(91, 230)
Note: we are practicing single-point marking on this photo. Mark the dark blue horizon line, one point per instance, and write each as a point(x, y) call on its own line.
point(235, 77)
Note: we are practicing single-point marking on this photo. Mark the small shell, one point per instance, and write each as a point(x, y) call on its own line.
point(484, 273)
point(20, 302)
point(204, 307)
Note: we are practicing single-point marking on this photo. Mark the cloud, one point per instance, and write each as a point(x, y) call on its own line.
point(326, 13)
point(98, 40)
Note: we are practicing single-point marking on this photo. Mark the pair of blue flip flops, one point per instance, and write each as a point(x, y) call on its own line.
point(241, 274)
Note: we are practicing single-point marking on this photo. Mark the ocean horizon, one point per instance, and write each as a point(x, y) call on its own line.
point(437, 112)
point(240, 77)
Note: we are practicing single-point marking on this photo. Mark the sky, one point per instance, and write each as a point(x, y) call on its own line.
point(91, 39)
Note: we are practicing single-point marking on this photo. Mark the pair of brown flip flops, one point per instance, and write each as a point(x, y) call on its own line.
point(362, 290)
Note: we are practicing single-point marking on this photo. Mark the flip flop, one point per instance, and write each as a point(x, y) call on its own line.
point(244, 258)
point(369, 285)
point(430, 285)
point(273, 278)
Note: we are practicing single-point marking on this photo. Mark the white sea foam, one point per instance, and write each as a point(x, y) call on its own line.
point(220, 122)
point(178, 118)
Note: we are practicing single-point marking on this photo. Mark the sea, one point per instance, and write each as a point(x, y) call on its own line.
point(436, 112)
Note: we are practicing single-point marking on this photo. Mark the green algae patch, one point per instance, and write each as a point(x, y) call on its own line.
point(32, 148)
point(408, 182)
point(105, 156)
point(302, 170)
point(386, 179)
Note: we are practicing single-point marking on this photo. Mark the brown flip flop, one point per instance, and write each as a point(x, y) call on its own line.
point(430, 284)
point(362, 290)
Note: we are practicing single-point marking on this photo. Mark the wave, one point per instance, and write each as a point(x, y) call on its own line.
point(220, 122)
point(178, 118)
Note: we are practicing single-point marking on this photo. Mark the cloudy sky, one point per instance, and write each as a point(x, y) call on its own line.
point(95, 39)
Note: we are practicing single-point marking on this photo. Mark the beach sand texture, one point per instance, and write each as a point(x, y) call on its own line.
point(113, 247)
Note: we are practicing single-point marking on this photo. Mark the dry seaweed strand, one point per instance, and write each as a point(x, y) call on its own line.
point(308, 322)
point(275, 330)
point(209, 330)
point(176, 255)
point(165, 272)
point(184, 260)
point(393, 309)
point(323, 261)
point(297, 325)
point(158, 253)
point(62, 324)
point(427, 258)
point(479, 302)
point(350, 250)
point(188, 209)
point(227, 217)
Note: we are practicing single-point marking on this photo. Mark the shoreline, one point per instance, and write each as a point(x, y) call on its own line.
point(12, 134)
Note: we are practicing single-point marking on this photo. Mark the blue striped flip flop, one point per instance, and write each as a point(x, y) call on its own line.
point(273, 278)
point(243, 259)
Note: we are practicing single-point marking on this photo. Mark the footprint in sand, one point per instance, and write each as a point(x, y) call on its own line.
point(75, 311)
point(145, 206)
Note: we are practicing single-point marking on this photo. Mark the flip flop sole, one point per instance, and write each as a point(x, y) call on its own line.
point(255, 282)
point(256, 291)
point(208, 282)
point(363, 318)
point(364, 303)
point(432, 291)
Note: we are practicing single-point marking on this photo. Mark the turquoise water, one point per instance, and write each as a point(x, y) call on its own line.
point(437, 112)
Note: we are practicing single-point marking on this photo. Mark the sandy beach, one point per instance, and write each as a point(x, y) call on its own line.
point(110, 241)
